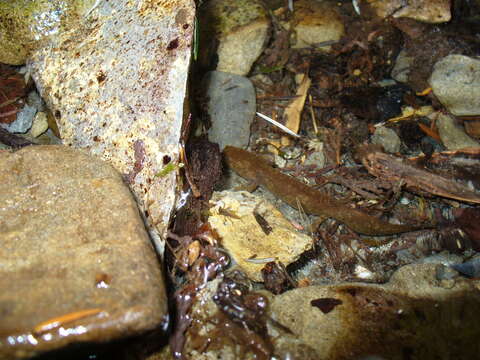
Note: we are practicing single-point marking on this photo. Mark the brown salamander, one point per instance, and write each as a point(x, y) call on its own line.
point(252, 167)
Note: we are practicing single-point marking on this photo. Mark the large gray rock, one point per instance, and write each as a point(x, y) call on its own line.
point(71, 239)
point(114, 75)
point(231, 106)
point(456, 83)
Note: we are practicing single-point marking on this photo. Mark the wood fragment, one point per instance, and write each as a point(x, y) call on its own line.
point(416, 179)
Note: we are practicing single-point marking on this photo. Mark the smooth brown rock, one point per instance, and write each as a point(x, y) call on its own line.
point(413, 313)
point(71, 239)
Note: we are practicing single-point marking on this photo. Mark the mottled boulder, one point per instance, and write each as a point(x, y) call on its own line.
point(114, 75)
point(76, 263)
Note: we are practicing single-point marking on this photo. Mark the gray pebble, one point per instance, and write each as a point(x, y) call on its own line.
point(231, 106)
point(456, 83)
point(23, 122)
point(388, 138)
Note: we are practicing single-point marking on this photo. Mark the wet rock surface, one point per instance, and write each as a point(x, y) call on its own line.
point(315, 23)
point(430, 11)
point(241, 30)
point(231, 107)
point(254, 232)
point(114, 76)
point(452, 133)
point(77, 262)
point(388, 138)
point(456, 83)
point(353, 320)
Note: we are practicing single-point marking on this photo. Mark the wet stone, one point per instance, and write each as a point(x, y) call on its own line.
point(254, 232)
point(316, 23)
point(456, 83)
point(77, 264)
point(231, 107)
point(413, 311)
point(452, 134)
point(388, 138)
point(241, 29)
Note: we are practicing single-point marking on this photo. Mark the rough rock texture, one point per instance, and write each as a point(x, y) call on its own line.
point(241, 29)
point(430, 11)
point(71, 239)
point(316, 22)
point(231, 107)
point(455, 82)
point(114, 75)
point(25, 25)
point(243, 237)
point(452, 134)
point(414, 313)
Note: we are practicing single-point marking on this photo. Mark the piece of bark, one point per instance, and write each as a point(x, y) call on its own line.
point(415, 178)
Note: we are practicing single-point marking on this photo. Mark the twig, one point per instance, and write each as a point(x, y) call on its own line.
point(277, 124)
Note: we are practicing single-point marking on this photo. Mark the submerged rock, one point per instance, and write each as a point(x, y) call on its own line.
point(316, 22)
point(412, 313)
point(388, 138)
point(231, 107)
point(455, 81)
point(430, 11)
point(254, 232)
point(77, 262)
point(114, 75)
point(239, 28)
point(452, 134)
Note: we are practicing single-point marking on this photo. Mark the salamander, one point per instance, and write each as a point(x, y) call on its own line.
point(252, 167)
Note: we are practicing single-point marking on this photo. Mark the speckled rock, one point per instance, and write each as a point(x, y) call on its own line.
point(455, 82)
point(241, 29)
point(114, 75)
point(316, 22)
point(71, 240)
point(26, 25)
point(452, 134)
point(231, 107)
point(243, 237)
point(430, 11)
point(413, 312)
